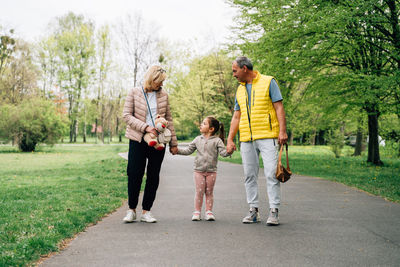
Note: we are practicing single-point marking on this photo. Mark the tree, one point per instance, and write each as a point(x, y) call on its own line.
point(206, 89)
point(31, 122)
point(19, 75)
point(340, 42)
point(103, 56)
point(138, 41)
point(75, 52)
point(7, 47)
point(47, 59)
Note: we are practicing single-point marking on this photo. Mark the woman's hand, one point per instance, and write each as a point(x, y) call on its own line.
point(173, 150)
point(150, 129)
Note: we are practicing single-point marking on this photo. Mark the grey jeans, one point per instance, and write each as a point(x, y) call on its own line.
point(250, 152)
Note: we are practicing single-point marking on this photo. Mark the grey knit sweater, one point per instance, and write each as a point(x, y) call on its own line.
point(207, 152)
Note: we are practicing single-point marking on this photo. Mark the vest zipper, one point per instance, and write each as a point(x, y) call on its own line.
point(248, 114)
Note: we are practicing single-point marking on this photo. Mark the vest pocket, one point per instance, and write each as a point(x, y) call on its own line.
point(270, 123)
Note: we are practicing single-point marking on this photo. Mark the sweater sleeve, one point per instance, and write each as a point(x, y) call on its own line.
point(222, 149)
point(189, 150)
point(127, 113)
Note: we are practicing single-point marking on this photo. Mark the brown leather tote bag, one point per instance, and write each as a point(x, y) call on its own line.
point(283, 174)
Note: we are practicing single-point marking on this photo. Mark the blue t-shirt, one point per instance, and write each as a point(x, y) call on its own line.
point(274, 93)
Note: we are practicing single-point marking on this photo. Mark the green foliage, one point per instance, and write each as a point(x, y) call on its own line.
point(31, 122)
point(49, 196)
point(336, 142)
point(337, 52)
point(206, 89)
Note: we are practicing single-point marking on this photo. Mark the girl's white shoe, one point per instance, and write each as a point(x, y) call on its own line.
point(196, 216)
point(210, 216)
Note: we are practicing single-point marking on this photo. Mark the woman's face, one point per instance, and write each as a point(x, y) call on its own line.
point(157, 85)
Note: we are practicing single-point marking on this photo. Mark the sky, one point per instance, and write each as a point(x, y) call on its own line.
point(177, 20)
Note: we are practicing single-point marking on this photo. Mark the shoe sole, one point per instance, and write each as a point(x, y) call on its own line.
point(272, 223)
point(210, 220)
point(196, 220)
point(250, 222)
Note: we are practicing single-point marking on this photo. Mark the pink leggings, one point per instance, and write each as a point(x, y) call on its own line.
point(205, 182)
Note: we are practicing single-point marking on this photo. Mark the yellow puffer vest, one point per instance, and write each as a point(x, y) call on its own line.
point(263, 121)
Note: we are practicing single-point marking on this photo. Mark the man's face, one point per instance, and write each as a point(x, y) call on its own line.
point(237, 72)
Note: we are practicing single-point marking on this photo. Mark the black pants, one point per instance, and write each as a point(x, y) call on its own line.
point(138, 153)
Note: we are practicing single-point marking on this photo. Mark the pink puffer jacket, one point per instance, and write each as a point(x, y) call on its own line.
point(135, 110)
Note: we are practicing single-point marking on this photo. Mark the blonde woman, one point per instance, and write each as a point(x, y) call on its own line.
point(141, 106)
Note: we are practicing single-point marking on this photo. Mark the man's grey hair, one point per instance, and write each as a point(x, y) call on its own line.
point(244, 61)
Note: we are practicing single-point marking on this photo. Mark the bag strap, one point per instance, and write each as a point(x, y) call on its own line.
point(287, 156)
point(148, 107)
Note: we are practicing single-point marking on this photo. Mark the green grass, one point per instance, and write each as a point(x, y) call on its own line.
point(52, 194)
point(319, 161)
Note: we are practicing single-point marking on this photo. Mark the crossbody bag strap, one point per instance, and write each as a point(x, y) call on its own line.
point(148, 107)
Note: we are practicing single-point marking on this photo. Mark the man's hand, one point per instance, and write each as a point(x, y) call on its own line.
point(173, 150)
point(230, 147)
point(282, 139)
point(150, 129)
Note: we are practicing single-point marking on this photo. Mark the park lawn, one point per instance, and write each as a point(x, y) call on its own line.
point(319, 161)
point(50, 195)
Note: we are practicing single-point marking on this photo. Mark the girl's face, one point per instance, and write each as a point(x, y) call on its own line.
point(205, 127)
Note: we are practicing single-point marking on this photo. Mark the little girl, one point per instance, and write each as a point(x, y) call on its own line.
point(208, 147)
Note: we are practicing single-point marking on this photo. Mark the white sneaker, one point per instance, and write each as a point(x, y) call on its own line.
point(196, 216)
point(210, 216)
point(273, 218)
point(148, 217)
point(130, 216)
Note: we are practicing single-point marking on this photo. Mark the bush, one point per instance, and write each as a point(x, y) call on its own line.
point(31, 122)
point(336, 142)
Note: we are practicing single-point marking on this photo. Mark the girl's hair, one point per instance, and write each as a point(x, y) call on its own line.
point(218, 126)
point(154, 74)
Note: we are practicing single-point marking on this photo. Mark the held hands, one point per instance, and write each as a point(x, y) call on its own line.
point(230, 147)
point(173, 150)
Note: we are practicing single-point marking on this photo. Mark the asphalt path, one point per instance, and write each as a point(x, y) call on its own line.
point(323, 223)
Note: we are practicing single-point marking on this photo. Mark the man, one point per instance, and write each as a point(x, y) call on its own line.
point(260, 118)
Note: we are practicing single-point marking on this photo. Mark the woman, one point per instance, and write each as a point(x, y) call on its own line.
point(141, 106)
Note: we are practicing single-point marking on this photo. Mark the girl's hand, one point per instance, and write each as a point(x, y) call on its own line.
point(173, 150)
point(230, 147)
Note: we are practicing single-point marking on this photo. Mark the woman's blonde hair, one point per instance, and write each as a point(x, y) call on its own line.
point(155, 74)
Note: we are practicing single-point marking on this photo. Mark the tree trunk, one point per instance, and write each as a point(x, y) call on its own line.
point(95, 128)
point(71, 132)
point(313, 136)
point(84, 132)
point(373, 143)
point(75, 130)
point(358, 146)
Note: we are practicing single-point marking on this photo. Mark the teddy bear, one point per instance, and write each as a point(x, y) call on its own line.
point(164, 134)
